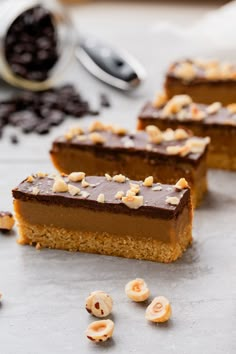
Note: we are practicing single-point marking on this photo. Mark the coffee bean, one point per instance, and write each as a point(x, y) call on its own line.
point(19, 70)
point(31, 44)
point(28, 126)
point(43, 128)
point(56, 117)
point(39, 111)
point(23, 119)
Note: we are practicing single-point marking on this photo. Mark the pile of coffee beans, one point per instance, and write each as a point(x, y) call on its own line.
point(39, 111)
point(31, 44)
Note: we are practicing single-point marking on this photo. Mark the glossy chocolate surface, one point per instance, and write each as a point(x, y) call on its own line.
point(200, 76)
point(222, 117)
point(134, 143)
point(154, 201)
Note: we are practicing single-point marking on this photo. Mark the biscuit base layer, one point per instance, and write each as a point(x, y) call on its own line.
point(103, 243)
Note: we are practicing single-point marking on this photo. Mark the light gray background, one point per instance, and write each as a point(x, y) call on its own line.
point(44, 291)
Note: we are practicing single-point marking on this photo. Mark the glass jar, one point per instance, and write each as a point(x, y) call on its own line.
point(30, 57)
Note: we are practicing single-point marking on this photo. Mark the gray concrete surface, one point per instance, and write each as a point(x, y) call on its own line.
point(42, 311)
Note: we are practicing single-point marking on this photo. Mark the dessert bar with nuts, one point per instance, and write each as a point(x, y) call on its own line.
point(214, 121)
point(206, 81)
point(107, 215)
point(166, 155)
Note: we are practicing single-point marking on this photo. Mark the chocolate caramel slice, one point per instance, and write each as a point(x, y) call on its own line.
point(206, 81)
point(214, 121)
point(106, 215)
point(166, 155)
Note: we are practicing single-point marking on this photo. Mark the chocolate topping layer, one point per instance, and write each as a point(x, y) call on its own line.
point(154, 201)
point(222, 117)
point(201, 73)
point(133, 143)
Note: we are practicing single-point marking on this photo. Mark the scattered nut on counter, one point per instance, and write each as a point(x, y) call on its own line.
point(99, 304)
point(6, 221)
point(100, 331)
point(159, 310)
point(137, 290)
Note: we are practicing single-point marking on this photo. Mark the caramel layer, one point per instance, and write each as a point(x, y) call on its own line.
point(204, 92)
point(85, 220)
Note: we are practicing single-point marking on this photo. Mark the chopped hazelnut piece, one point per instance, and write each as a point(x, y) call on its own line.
point(148, 182)
point(182, 114)
point(178, 149)
point(213, 73)
point(181, 134)
point(74, 132)
point(81, 137)
point(175, 104)
point(119, 130)
point(154, 134)
point(157, 188)
point(97, 126)
point(35, 190)
point(204, 64)
point(137, 290)
point(59, 186)
point(84, 194)
point(97, 138)
point(197, 145)
point(52, 176)
point(119, 195)
point(133, 202)
point(135, 187)
point(73, 190)
point(99, 304)
point(6, 220)
point(185, 71)
point(101, 198)
point(108, 177)
point(76, 176)
point(173, 150)
point(227, 71)
point(130, 193)
point(84, 183)
point(30, 179)
point(119, 178)
point(160, 100)
point(41, 174)
point(168, 135)
point(214, 108)
point(38, 246)
point(181, 184)
point(232, 108)
point(108, 127)
point(172, 200)
point(100, 331)
point(185, 149)
point(159, 310)
point(196, 113)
